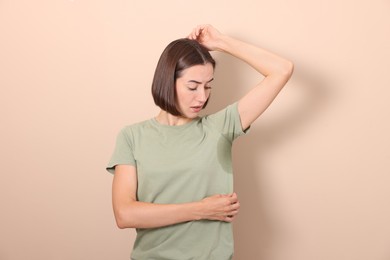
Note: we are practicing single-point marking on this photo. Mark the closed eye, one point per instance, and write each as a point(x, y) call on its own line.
point(195, 82)
point(194, 89)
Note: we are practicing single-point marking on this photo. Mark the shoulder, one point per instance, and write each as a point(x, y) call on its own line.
point(221, 114)
point(226, 121)
point(131, 130)
point(136, 126)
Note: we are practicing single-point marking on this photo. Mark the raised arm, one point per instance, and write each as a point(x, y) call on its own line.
point(130, 213)
point(276, 70)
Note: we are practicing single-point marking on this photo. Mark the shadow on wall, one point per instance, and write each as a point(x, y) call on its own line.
point(256, 234)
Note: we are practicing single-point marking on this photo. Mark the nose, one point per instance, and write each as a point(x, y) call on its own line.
point(202, 95)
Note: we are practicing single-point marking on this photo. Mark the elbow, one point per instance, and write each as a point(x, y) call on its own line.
point(123, 220)
point(288, 69)
point(291, 67)
point(284, 72)
point(120, 224)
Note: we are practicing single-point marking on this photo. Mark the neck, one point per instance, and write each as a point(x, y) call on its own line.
point(166, 118)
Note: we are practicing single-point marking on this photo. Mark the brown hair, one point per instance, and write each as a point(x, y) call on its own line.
point(177, 56)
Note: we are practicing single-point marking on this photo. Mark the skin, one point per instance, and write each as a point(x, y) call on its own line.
point(221, 207)
point(275, 69)
point(193, 89)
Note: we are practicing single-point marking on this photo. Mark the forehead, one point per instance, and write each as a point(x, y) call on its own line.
point(198, 72)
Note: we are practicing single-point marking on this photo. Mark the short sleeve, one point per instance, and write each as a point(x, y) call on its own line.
point(123, 152)
point(228, 122)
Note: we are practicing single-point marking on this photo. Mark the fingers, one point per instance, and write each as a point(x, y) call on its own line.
point(229, 217)
point(233, 198)
point(222, 207)
point(197, 31)
point(231, 210)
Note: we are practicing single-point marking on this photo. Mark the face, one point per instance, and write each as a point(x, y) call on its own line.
point(193, 89)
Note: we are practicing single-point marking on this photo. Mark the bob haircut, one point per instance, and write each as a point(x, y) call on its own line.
point(177, 56)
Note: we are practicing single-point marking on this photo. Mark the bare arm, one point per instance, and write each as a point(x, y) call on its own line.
point(130, 213)
point(276, 70)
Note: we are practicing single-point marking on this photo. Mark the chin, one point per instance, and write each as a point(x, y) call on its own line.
point(190, 115)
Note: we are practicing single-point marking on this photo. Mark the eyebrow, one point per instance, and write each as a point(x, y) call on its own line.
point(198, 82)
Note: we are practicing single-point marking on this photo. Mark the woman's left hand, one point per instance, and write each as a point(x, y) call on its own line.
point(208, 36)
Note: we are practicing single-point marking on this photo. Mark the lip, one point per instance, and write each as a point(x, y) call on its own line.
point(196, 109)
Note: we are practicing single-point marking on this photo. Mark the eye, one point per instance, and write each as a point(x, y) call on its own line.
point(192, 86)
point(208, 87)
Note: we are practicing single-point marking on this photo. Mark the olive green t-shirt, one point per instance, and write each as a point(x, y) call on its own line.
point(180, 164)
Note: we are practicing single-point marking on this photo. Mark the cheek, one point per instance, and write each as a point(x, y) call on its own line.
point(179, 93)
point(183, 96)
point(189, 97)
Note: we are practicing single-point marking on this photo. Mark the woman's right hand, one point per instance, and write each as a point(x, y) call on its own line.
point(220, 207)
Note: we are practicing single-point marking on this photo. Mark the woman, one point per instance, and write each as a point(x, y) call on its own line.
point(173, 173)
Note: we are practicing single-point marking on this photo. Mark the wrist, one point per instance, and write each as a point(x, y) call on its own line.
point(196, 210)
point(223, 43)
point(229, 45)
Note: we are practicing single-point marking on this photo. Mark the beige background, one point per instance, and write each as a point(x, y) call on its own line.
point(312, 175)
